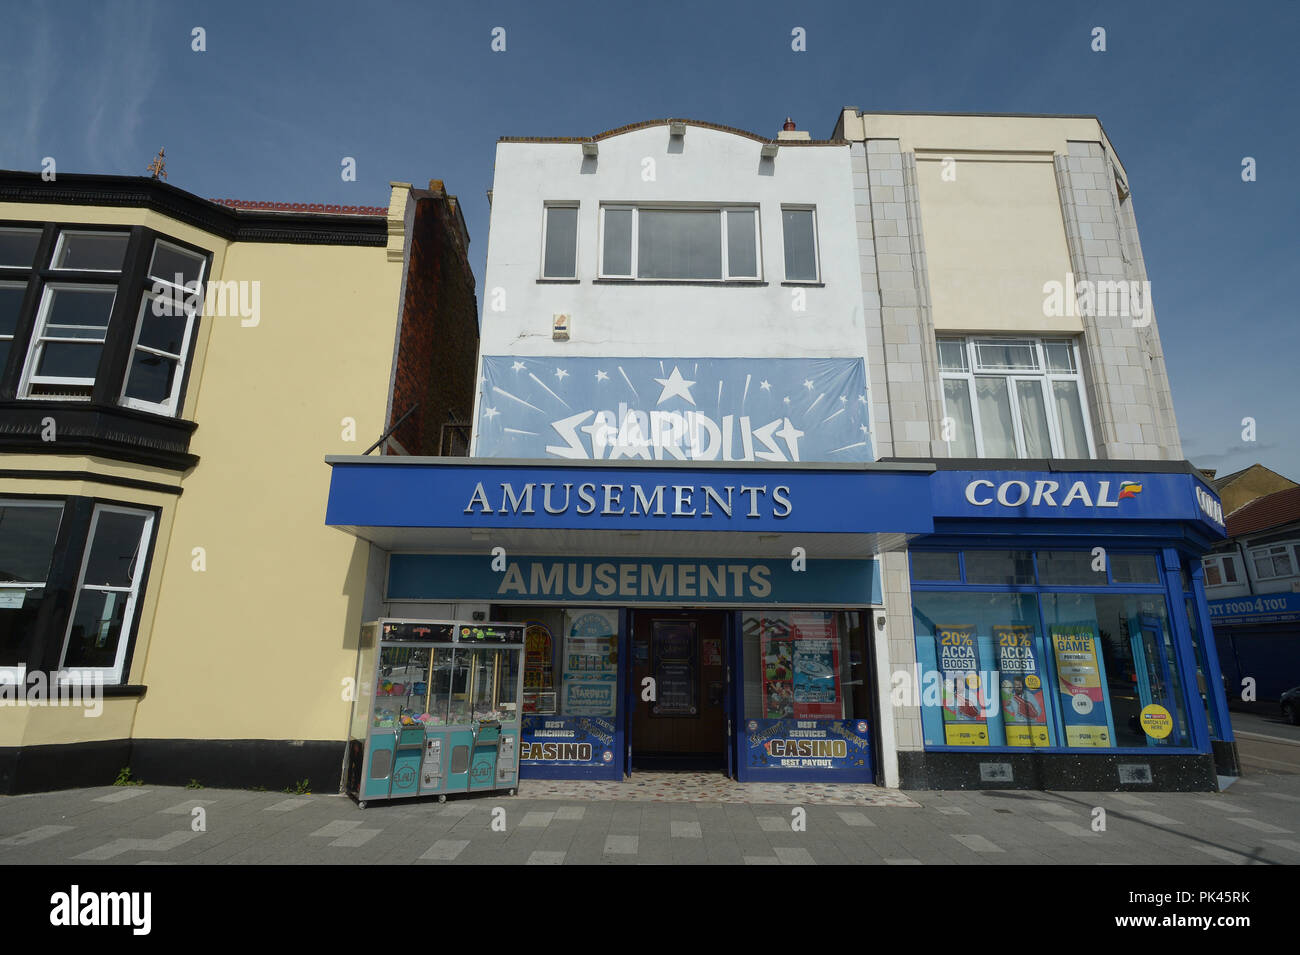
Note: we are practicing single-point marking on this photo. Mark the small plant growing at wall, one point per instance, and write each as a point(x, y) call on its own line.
point(300, 788)
point(124, 778)
point(194, 784)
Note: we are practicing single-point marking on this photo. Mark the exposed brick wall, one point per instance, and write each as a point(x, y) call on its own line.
point(439, 338)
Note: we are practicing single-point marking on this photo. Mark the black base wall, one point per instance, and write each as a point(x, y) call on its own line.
point(35, 769)
point(1226, 762)
point(227, 764)
point(1174, 772)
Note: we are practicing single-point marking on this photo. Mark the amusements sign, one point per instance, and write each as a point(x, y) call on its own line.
point(963, 715)
point(808, 744)
point(1023, 714)
point(673, 660)
point(1083, 699)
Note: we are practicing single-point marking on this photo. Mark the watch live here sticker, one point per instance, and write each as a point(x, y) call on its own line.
point(1156, 721)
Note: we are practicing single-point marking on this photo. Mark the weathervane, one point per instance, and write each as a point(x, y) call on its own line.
point(158, 167)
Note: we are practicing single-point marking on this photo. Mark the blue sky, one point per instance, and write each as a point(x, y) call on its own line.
point(413, 91)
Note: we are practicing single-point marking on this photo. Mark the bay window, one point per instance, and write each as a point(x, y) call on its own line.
point(97, 315)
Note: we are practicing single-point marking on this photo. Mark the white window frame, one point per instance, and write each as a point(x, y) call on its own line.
point(1043, 376)
point(39, 338)
point(178, 290)
point(577, 238)
point(1288, 550)
point(817, 251)
point(17, 674)
point(1219, 562)
point(168, 407)
point(721, 208)
point(63, 233)
point(111, 674)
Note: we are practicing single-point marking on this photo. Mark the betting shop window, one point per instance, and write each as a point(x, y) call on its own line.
point(1009, 657)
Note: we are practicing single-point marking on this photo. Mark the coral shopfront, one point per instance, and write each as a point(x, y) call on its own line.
point(735, 619)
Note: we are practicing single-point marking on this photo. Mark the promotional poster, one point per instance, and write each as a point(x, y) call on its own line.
point(675, 668)
point(963, 712)
point(590, 663)
point(1082, 696)
point(1024, 714)
point(816, 666)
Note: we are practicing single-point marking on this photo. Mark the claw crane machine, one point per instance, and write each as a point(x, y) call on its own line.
point(437, 709)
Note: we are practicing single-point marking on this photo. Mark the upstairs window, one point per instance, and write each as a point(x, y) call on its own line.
point(70, 331)
point(1013, 398)
point(90, 251)
point(18, 248)
point(1220, 569)
point(715, 244)
point(163, 330)
point(799, 234)
point(98, 314)
point(560, 242)
point(1278, 560)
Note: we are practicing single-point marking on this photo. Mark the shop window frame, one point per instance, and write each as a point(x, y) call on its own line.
point(1162, 589)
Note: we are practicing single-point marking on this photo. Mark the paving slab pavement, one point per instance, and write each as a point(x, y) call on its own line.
point(1258, 823)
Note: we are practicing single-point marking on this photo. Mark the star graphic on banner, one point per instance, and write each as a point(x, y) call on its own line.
point(601, 376)
point(482, 380)
point(766, 385)
point(862, 428)
point(561, 374)
point(786, 399)
point(843, 400)
point(807, 383)
point(490, 413)
point(675, 386)
point(862, 399)
point(789, 433)
point(517, 366)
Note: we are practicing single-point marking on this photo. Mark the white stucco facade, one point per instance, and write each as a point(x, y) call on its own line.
point(707, 167)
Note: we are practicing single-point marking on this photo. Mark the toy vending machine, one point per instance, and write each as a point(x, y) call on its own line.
point(437, 709)
point(396, 674)
point(488, 747)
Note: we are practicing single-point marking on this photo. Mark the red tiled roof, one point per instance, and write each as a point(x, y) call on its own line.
point(1271, 510)
point(317, 207)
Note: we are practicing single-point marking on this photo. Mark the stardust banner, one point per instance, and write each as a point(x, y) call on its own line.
point(685, 409)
